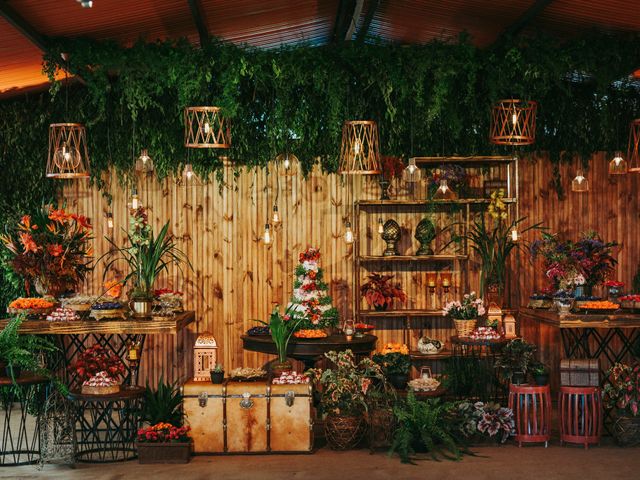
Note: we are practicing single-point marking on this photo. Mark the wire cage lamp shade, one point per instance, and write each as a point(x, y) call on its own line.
point(633, 153)
point(513, 122)
point(68, 157)
point(206, 127)
point(360, 149)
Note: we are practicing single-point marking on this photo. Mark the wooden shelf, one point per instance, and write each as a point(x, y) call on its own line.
point(441, 355)
point(412, 258)
point(420, 203)
point(400, 313)
point(473, 161)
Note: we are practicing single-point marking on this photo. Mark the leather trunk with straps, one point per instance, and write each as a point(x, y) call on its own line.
point(249, 417)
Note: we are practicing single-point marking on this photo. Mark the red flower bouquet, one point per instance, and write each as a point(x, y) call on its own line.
point(97, 359)
point(164, 433)
point(379, 293)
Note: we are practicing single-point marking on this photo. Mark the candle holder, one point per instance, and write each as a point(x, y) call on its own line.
point(349, 329)
point(432, 283)
point(133, 357)
point(445, 279)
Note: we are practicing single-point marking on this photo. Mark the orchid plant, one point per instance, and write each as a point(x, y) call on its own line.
point(469, 308)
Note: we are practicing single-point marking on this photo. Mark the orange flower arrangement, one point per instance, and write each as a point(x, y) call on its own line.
point(113, 288)
point(30, 304)
point(395, 348)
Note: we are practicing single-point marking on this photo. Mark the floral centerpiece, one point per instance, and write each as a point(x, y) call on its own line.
point(97, 361)
point(282, 327)
point(379, 293)
point(51, 250)
point(484, 420)
point(310, 301)
point(465, 313)
point(622, 395)
point(344, 396)
point(164, 443)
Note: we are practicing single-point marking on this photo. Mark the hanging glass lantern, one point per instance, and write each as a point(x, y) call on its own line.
point(135, 201)
point(633, 152)
point(444, 192)
point(513, 122)
point(68, 157)
point(617, 165)
point(206, 127)
point(187, 173)
point(110, 221)
point(380, 226)
point(144, 163)
point(360, 149)
point(348, 233)
point(580, 184)
point(411, 172)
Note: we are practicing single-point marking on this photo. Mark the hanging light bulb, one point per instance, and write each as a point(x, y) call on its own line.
point(411, 172)
point(348, 233)
point(110, 221)
point(144, 162)
point(187, 173)
point(206, 128)
point(444, 192)
point(266, 238)
point(380, 226)
point(618, 165)
point(514, 234)
point(580, 183)
point(357, 146)
point(135, 202)
point(275, 218)
point(286, 163)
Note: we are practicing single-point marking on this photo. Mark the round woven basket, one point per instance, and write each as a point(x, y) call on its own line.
point(626, 431)
point(343, 432)
point(464, 328)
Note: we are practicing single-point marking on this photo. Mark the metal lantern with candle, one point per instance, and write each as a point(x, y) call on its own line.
point(205, 354)
point(509, 326)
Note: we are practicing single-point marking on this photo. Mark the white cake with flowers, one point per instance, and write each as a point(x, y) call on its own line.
point(100, 384)
point(310, 301)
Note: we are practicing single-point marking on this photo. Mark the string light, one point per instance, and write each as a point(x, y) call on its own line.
point(110, 221)
point(275, 218)
point(266, 237)
point(348, 233)
point(380, 226)
point(135, 202)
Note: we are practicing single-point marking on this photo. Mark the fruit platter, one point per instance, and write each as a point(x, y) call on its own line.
point(364, 328)
point(259, 331)
point(31, 306)
point(598, 307)
point(247, 374)
point(103, 310)
point(310, 334)
point(630, 302)
point(540, 301)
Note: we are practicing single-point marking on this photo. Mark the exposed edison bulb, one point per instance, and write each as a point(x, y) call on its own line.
point(275, 218)
point(357, 147)
point(110, 221)
point(514, 234)
point(207, 128)
point(380, 226)
point(286, 163)
point(514, 118)
point(66, 159)
point(187, 173)
point(348, 233)
point(266, 237)
point(144, 162)
point(135, 201)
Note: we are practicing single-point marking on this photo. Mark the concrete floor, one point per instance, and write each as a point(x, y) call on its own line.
point(505, 462)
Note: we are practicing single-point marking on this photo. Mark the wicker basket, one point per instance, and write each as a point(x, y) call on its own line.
point(381, 424)
point(464, 328)
point(626, 431)
point(343, 432)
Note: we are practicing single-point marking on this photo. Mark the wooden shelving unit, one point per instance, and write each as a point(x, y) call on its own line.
point(433, 357)
point(412, 258)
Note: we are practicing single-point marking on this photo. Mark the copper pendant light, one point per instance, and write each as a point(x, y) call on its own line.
point(206, 127)
point(633, 152)
point(513, 122)
point(360, 149)
point(68, 157)
point(618, 165)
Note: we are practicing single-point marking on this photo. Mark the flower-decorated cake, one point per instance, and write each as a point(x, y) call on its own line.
point(100, 384)
point(63, 315)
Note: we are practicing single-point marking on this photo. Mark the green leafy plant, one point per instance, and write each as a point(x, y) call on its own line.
point(393, 363)
point(163, 404)
point(425, 425)
point(378, 292)
point(469, 377)
point(218, 368)
point(282, 327)
point(516, 356)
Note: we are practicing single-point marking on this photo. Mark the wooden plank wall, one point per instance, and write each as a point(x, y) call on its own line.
point(236, 278)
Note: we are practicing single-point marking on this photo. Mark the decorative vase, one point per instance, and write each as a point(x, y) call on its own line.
point(278, 368)
point(541, 379)
point(495, 294)
point(217, 377)
point(343, 432)
point(613, 293)
point(518, 378)
point(425, 233)
point(384, 187)
point(166, 452)
point(399, 380)
point(391, 235)
point(141, 307)
point(626, 430)
point(580, 291)
point(381, 308)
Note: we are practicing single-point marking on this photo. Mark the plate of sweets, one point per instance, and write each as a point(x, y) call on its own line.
point(32, 306)
point(62, 314)
point(259, 331)
point(630, 302)
point(104, 310)
point(598, 307)
point(364, 328)
point(290, 378)
point(247, 374)
point(79, 303)
point(310, 334)
point(485, 334)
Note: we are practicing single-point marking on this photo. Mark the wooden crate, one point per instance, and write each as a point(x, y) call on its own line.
point(580, 372)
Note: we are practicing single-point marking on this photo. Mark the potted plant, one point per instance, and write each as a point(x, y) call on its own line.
point(481, 422)
point(395, 363)
point(622, 397)
point(540, 373)
point(282, 327)
point(147, 256)
point(98, 362)
point(343, 397)
point(379, 293)
point(515, 360)
point(217, 374)
point(465, 313)
point(162, 404)
point(164, 443)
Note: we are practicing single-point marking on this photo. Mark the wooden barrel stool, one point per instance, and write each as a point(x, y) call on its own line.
point(580, 411)
point(531, 407)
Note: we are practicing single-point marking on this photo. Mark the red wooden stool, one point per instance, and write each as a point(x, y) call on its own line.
point(580, 415)
point(532, 413)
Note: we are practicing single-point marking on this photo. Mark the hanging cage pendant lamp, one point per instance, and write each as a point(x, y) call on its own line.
point(513, 122)
point(633, 152)
point(617, 165)
point(68, 157)
point(206, 127)
point(360, 149)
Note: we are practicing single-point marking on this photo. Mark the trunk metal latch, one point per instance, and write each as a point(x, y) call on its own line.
point(246, 401)
point(289, 397)
point(202, 399)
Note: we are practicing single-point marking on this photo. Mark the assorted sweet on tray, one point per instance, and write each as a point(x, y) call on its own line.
point(630, 302)
point(62, 314)
point(310, 333)
point(540, 300)
point(107, 310)
point(424, 384)
point(247, 373)
point(485, 334)
point(364, 327)
point(259, 331)
point(167, 302)
point(290, 378)
point(79, 303)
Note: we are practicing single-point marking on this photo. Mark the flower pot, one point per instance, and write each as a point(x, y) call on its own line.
point(343, 432)
point(277, 368)
point(399, 380)
point(164, 452)
point(217, 377)
point(626, 430)
point(381, 308)
point(141, 307)
point(518, 378)
point(541, 379)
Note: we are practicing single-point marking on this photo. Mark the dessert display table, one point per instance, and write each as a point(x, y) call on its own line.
point(309, 351)
point(106, 425)
point(20, 441)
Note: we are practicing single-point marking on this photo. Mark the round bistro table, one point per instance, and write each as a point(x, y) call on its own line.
point(310, 350)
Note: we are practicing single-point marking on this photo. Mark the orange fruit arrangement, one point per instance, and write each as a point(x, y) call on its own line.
point(30, 303)
point(310, 334)
point(600, 305)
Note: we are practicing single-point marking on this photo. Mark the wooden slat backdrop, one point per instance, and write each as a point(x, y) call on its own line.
point(237, 279)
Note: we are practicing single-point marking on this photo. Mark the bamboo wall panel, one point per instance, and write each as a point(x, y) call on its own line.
point(237, 279)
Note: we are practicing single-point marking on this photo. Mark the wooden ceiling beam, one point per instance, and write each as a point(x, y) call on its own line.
point(346, 20)
point(353, 23)
point(524, 20)
point(366, 23)
point(198, 18)
point(25, 28)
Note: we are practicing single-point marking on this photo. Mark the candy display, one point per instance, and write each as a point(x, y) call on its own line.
point(63, 315)
point(246, 373)
point(310, 334)
point(257, 331)
point(106, 306)
point(424, 384)
point(290, 378)
point(364, 327)
point(100, 384)
point(103, 310)
point(484, 333)
point(630, 298)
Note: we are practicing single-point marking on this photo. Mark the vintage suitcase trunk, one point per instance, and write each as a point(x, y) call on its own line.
point(249, 417)
point(580, 372)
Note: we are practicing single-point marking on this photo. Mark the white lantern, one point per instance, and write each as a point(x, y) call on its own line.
point(510, 326)
point(205, 354)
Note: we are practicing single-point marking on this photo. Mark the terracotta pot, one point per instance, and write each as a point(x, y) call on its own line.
point(277, 368)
